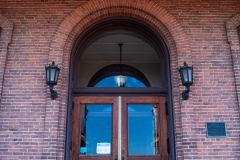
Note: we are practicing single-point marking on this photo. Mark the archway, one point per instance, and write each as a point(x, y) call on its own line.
point(164, 90)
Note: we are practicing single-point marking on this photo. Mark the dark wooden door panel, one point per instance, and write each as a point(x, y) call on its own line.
point(144, 158)
point(76, 129)
point(163, 129)
point(162, 126)
point(143, 100)
point(95, 158)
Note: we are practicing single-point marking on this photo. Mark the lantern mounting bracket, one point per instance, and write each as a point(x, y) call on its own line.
point(185, 94)
point(54, 94)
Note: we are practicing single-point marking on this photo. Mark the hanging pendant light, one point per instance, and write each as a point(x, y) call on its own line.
point(120, 79)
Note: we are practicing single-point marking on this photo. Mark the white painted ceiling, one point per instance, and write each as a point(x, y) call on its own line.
point(105, 48)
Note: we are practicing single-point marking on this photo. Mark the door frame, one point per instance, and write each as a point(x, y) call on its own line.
point(159, 45)
point(162, 125)
point(76, 122)
point(125, 100)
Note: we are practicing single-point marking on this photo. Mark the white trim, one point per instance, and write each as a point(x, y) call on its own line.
point(119, 127)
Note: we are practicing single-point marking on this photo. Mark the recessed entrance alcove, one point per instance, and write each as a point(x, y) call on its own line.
point(120, 110)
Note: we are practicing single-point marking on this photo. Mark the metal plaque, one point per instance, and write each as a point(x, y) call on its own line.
point(216, 129)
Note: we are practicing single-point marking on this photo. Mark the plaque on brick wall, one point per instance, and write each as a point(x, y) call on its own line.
point(216, 129)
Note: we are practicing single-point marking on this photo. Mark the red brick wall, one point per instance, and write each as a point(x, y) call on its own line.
point(24, 98)
point(32, 126)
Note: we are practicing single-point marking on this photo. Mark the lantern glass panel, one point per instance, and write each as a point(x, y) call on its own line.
point(56, 77)
point(190, 75)
point(52, 74)
point(185, 75)
point(47, 76)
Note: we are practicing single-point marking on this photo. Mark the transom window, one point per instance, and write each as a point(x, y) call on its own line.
point(110, 82)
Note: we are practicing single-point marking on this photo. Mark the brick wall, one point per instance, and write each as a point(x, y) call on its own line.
point(203, 33)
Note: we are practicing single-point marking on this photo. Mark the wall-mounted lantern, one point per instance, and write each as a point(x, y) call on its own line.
point(52, 73)
point(186, 74)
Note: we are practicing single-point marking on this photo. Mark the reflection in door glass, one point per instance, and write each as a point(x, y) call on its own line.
point(96, 129)
point(143, 137)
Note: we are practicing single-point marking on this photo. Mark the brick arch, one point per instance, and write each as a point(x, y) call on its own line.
point(5, 40)
point(95, 10)
point(232, 36)
point(89, 13)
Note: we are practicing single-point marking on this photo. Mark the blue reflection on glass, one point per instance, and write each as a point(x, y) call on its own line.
point(142, 130)
point(110, 82)
point(98, 128)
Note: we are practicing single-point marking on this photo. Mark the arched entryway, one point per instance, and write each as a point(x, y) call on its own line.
point(72, 32)
point(84, 70)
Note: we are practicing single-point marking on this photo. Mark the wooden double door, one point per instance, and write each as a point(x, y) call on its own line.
point(119, 128)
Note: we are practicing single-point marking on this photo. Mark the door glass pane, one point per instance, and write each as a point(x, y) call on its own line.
point(143, 137)
point(96, 129)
